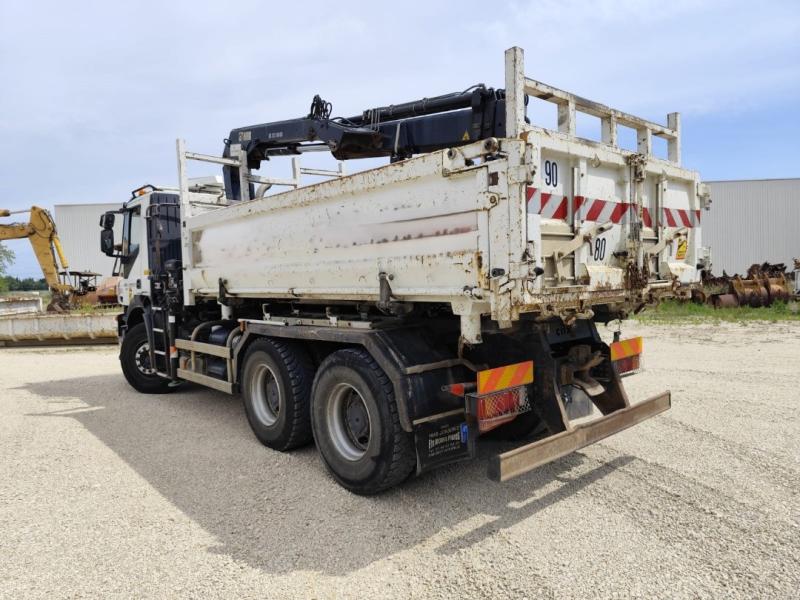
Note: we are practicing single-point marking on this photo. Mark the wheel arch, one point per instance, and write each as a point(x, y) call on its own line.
point(134, 313)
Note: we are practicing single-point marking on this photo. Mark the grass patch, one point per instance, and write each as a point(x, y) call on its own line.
point(672, 311)
point(90, 309)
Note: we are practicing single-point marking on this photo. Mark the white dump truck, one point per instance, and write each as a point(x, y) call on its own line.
point(397, 314)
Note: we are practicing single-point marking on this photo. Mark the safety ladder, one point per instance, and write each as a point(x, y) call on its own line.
point(159, 351)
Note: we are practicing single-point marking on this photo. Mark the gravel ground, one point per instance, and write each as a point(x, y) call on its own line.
point(107, 493)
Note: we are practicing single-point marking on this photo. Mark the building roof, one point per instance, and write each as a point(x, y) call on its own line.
point(754, 180)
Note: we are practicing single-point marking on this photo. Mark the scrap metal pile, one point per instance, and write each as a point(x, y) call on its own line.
point(762, 285)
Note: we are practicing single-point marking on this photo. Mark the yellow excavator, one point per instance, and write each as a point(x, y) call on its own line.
point(41, 231)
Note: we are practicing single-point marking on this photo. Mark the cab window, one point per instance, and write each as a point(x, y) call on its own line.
point(131, 239)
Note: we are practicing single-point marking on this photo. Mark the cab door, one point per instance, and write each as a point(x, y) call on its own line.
point(133, 257)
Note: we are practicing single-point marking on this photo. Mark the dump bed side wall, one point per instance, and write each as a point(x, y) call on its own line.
point(331, 240)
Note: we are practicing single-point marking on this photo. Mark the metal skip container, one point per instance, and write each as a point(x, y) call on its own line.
point(43, 328)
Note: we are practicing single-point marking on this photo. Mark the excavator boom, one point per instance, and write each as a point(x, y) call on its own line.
point(41, 231)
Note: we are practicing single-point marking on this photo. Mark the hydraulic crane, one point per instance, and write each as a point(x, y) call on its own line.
point(398, 131)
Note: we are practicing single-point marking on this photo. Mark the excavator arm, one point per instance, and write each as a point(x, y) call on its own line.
point(41, 231)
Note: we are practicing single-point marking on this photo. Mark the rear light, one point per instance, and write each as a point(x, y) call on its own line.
point(629, 365)
point(626, 355)
point(501, 395)
point(498, 408)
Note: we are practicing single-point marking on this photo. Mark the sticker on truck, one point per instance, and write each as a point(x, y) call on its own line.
point(551, 205)
point(680, 253)
point(679, 217)
point(546, 204)
point(550, 170)
point(443, 441)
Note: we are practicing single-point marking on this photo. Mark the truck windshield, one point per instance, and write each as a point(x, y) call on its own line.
point(131, 239)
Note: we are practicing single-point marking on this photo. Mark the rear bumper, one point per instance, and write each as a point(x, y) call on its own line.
point(526, 458)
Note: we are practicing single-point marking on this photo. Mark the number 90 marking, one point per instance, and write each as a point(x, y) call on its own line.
point(550, 173)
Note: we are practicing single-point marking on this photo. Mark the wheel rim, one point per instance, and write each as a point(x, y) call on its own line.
point(266, 395)
point(142, 360)
point(349, 423)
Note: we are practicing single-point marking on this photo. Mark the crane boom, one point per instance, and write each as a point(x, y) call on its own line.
point(397, 131)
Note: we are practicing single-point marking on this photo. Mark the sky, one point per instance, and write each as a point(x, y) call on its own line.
point(94, 94)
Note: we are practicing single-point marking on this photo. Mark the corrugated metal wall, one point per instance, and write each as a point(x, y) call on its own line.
point(751, 222)
point(78, 227)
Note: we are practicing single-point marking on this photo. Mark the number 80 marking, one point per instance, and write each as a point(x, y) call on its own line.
point(599, 248)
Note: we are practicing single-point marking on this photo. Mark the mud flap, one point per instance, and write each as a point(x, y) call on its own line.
point(444, 439)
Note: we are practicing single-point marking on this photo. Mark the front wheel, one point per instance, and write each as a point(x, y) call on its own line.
point(134, 358)
point(356, 425)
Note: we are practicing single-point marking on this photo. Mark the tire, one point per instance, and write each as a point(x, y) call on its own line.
point(356, 425)
point(134, 359)
point(276, 389)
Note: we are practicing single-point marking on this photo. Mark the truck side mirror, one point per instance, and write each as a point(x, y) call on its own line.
point(107, 220)
point(107, 242)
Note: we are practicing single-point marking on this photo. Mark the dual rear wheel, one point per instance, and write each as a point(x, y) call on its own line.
point(346, 404)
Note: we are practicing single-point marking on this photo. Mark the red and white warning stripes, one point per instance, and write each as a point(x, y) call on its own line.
point(555, 206)
point(647, 219)
point(600, 211)
point(678, 217)
point(550, 206)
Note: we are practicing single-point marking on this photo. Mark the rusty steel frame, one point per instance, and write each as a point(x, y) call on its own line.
point(763, 285)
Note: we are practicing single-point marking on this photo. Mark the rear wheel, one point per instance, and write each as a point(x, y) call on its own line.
point(276, 388)
point(134, 358)
point(356, 425)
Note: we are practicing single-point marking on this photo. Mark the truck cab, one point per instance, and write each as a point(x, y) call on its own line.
point(151, 236)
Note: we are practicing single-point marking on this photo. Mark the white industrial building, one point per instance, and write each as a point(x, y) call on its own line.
point(752, 221)
point(78, 227)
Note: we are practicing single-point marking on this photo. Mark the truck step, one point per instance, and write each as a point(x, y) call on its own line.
point(212, 382)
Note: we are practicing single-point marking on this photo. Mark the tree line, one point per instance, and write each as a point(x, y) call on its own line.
point(9, 283)
point(26, 284)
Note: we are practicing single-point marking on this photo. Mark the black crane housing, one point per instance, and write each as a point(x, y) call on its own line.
point(398, 131)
